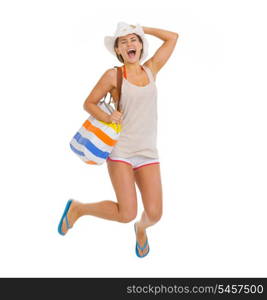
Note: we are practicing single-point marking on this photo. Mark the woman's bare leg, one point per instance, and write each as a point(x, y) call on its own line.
point(148, 179)
point(124, 210)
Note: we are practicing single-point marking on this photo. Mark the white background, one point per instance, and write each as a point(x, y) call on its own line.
point(211, 140)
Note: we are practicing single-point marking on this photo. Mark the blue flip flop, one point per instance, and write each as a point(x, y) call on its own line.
point(64, 216)
point(138, 247)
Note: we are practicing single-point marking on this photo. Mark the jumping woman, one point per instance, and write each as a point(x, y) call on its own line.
point(135, 157)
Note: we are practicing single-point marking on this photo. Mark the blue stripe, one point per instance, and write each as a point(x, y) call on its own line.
point(76, 151)
point(90, 146)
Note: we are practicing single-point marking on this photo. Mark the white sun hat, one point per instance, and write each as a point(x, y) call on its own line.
point(124, 29)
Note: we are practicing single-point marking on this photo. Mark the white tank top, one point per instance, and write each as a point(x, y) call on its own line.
point(139, 120)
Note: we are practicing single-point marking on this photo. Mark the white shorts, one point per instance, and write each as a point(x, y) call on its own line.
point(135, 161)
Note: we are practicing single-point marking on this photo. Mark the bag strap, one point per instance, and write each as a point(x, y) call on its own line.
point(119, 83)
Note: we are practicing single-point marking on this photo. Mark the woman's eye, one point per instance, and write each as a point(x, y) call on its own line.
point(125, 41)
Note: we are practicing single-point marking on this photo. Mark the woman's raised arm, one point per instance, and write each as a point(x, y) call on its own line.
point(160, 57)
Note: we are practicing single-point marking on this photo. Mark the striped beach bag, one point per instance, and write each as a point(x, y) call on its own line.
point(94, 141)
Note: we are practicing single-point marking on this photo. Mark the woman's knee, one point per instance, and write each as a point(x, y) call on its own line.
point(154, 214)
point(127, 216)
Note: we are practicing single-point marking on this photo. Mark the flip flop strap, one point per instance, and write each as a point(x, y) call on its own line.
point(144, 247)
point(138, 246)
point(67, 222)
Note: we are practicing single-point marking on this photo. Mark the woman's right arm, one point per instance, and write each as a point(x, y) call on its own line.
point(105, 84)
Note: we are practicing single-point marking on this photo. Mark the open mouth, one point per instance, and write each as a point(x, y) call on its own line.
point(131, 53)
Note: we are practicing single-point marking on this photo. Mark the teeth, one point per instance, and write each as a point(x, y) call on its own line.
point(130, 50)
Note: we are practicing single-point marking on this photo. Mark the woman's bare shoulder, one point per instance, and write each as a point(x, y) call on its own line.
point(111, 75)
point(149, 65)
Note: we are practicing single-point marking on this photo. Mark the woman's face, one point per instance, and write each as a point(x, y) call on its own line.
point(129, 47)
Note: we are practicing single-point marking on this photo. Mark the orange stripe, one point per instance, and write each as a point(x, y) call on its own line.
point(99, 133)
point(124, 72)
point(90, 162)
